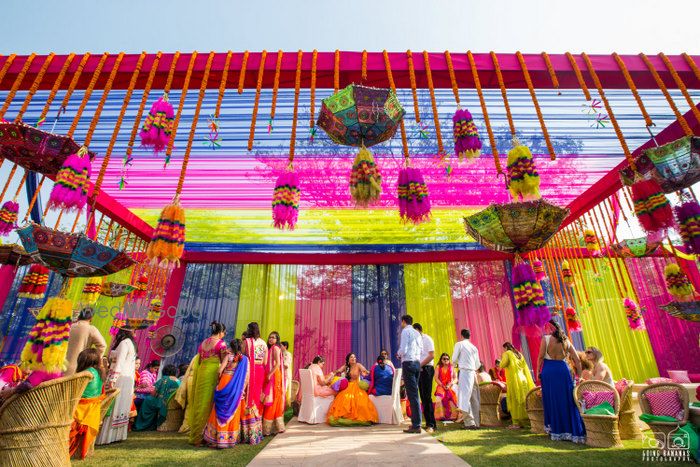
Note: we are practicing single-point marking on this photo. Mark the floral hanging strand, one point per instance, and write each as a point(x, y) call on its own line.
point(523, 178)
point(660, 83)
point(256, 101)
point(312, 97)
point(484, 110)
point(579, 76)
point(275, 90)
point(681, 85)
point(363, 73)
point(634, 315)
point(412, 78)
point(538, 111)
point(168, 241)
point(241, 76)
point(336, 71)
point(158, 126)
point(35, 87)
point(466, 136)
point(630, 84)
point(688, 216)
point(572, 322)
point(436, 116)
point(551, 71)
point(15, 86)
point(677, 283)
point(34, 283)
point(286, 196)
point(592, 245)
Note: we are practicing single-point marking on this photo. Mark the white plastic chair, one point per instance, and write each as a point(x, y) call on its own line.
point(313, 409)
point(389, 407)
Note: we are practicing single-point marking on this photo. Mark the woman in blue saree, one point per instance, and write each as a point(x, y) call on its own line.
point(223, 429)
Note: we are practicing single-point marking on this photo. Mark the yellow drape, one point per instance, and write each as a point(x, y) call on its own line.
point(628, 353)
point(268, 296)
point(429, 302)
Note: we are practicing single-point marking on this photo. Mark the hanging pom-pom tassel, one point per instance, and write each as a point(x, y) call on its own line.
point(8, 217)
point(285, 200)
point(538, 267)
point(119, 321)
point(91, 227)
point(91, 290)
point(572, 321)
point(168, 242)
point(34, 283)
point(651, 206)
point(158, 125)
point(523, 179)
point(529, 297)
point(567, 274)
point(677, 283)
point(365, 179)
point(47, 345)
point(688, 215)
point(634, 315)
point(154, 309)
point(72, 180)
point(140, 287)
point(592, 244)
point(414, 203)
point(466, 136)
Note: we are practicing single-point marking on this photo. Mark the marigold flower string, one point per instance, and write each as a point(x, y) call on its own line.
point(56, 86)
point(453, 78)
point(681, 85)
point(312, 91)
point(15, 86)
point(363, 74)
point(630, 83)
point(550, 70)
point(392, 85)
point(412, 77)
point(336, 71)
point(504, 93)
point(540, 117)
point(436, 115)
point(241, 76)
point(256, 101)
point(484, 110)
point(579, 76)
point(183, 95)
point(275, 89)
point(35, 86)
point(660, 83)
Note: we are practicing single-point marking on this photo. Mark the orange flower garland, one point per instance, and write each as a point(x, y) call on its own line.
point(504, 93)
point(453, 78)
point(392, 85)
point(681, 85)
point(436, 115)
point(691, 63)
point(412, 77)
point(312, 89)
point(660, 83)
point(633, 88)
point(297, 88)
point(540, 117)
point(275, 86)
point(579, 76)
point(56, 85)
point(222, 85)
point(87, 94)
point(241, 76)
point(16, 84)
point(484, 110)
point(256, 102)
point(183, 96)
point(550, 70)
point(336, 71)
point(363, 73)
point(74, 81)
point(101, 104)
point(6, 66)
point(35, 87)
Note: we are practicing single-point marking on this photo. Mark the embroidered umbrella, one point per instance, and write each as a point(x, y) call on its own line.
point(72, 254)
point(516, 227)
point(689, 311)
point(635, 247)
point(35, 149)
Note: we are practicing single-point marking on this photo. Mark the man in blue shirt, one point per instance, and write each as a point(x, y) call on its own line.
point(409, 352)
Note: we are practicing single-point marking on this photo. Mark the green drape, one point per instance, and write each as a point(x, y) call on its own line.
point(628, 353)
point(268, 296)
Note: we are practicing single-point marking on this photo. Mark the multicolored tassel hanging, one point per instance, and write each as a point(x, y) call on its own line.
point(155, 308)
point(158, 126)
point(538, 267)
point(119, 321)
point(168, 242)
point(34, 283)
point(688, 215)
point(523, 179)
point(285, 201)
point(91, 290)
point(651, 206)
point(634, 315)
point(572, 321)
point(466, 136)
point(529, 297)
point(141, 286)
point(677, 283)
point(414, 203)
point(8, 217)
point(567, 274)
point(592, 244)
point(365, 179)
point(70, 189)
point(48, 339)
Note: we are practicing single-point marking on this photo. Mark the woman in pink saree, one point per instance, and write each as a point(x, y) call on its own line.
point(256, 350)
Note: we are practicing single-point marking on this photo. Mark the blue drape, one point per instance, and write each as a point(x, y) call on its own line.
point(210, 292)
point(16, 320)
point(378, 302)
point(31, 186)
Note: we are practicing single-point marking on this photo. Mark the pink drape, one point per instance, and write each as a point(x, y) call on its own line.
point(323, 320)
point(7, 275)
point(481, 303)
point(674, 341)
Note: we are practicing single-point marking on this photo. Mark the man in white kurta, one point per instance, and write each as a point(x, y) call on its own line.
point(466, 357)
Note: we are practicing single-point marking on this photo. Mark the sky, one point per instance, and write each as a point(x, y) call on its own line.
point(131, 26)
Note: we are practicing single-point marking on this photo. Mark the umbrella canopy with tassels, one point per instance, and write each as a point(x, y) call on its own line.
point(516, 227)
point(689, 311)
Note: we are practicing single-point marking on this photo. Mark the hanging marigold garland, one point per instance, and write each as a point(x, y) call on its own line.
point(660, 83)
point(433, 102)
point(56, 86)
point(579, 76)
point(275, 89)
point(466, 136)
point(256, 101)
point(222, 84)
point(241, 76)
point(538, 110)
point(551, 71)
point(312, 94)
point(168, 242)
point(634, 315)
point(18, 81)
point(681, 86)
point(363, 72)
point(336, 71)
point(286, 195)
point(630, 84)
point(504, 92)
point(35, 87)
point(412, 78)
point(485, 112)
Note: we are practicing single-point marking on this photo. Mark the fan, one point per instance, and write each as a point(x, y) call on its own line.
point(167, 341)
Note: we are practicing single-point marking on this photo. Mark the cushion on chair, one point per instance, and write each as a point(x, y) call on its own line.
point(694, 377)
point(679, 376)
point(665, 403)
point(621, 386)
point(659, 380)
point(591, 398)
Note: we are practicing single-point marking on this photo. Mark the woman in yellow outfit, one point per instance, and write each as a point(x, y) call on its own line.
point(519, 382)
point(352, 405)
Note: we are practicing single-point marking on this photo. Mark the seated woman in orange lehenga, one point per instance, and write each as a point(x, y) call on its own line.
point(352, 405)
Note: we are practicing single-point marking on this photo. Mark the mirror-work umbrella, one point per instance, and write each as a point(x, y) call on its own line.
point(361, 115)
point(635, 247)
point(14, 254)
point(516, 227)
point(72, 254)
point(689, 311)
point(35, 149)
point(116, 289)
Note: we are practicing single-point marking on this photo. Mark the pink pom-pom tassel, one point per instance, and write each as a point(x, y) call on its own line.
point(157, 128)
point(8, 217)
point(634, 315)
point(466, 136)
point(70, 189)
point(414, 203)
point(285, 201)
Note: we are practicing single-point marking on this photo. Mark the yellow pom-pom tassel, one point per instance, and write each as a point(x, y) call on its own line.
point(523, 179)
point(48, 340)
point(678, 283)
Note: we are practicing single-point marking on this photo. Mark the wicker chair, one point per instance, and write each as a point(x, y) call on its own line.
point(629, 427)
point(661, 430)
point(174, 417)
point(535, 410)
point(602, 431)
point(35, 425)
point(490, 400)
point(107, 402)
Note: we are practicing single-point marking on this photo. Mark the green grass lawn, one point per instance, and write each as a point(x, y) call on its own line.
point(500, 446)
